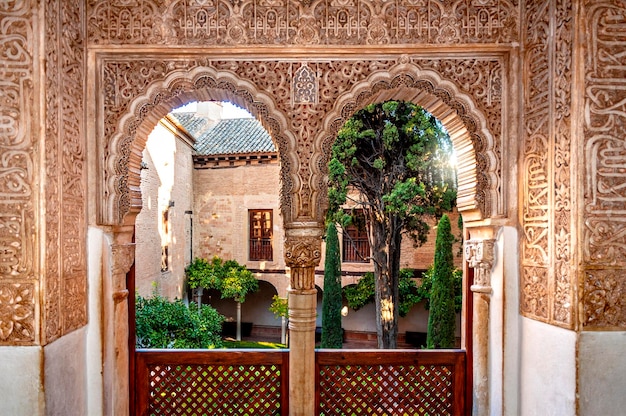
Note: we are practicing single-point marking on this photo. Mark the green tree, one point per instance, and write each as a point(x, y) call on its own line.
point(232, 279)
point(363, 292)
point(280, 309)
point(161, 323)
point(442, 317)
point(332, 336)
point(394, 156)
point(426, 286)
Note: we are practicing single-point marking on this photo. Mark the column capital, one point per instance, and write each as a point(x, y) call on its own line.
point(480, 255)
point(123, 257)
point(302, 255)
point(303, 251)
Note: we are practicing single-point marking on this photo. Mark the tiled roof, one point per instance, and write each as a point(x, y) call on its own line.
point(227, 136)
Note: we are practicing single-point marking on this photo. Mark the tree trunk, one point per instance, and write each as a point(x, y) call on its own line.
point(238, 321)
point(386, 254)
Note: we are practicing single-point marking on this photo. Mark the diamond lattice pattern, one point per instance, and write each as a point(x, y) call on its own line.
point(214, 390)
point(386, 390)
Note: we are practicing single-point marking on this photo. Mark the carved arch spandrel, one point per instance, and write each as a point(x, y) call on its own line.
point(122, 152)
point(478, 165)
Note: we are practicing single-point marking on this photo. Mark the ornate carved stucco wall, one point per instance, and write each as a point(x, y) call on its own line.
point(548, 281)
point(293, 93)
point(19, 272)
point(43, 281)
point(604, 128)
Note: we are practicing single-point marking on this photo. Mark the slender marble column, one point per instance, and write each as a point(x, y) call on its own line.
point(302, 255)
point(480, 256)
point(115, 313)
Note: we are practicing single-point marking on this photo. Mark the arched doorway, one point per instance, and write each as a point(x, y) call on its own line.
point(304, 131)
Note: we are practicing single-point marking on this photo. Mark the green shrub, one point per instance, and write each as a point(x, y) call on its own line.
point(362, 293)
point(161, 323)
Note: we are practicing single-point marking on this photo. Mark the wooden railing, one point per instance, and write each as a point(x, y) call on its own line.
point(388, 382)
point(255, 382)
point(261, 249)
point(356, 250)
point(211, 382)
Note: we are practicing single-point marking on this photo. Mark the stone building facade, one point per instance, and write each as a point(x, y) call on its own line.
point(531, 92)
point(163, 228)
point(204, 211)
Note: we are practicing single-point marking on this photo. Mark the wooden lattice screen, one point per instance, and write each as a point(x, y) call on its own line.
point(178, 382)
point(390, 383)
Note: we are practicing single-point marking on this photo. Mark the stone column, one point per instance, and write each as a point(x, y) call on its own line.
point(480, 256)
point(302, 255)
point(115, 312)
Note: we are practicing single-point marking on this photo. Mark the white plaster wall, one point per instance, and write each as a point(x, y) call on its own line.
point(65, 375)
point(21, 392)
point(504, 322)
point(547, 370)
point(602, 381)
point(507, 253)
point(94, 329)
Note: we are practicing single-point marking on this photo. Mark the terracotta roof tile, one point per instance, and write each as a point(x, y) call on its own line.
point(227, 136)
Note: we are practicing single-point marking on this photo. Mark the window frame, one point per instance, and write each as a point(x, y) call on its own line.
point(355, 239)
point(260, 247)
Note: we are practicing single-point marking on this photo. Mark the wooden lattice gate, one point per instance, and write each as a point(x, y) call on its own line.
point(253, 382)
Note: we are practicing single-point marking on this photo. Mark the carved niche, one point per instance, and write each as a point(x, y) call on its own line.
point(604, 233)
point(547, 194)
point(324, 22)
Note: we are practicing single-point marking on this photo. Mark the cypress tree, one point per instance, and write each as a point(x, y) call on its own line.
point(332, 336)
point(442, 318)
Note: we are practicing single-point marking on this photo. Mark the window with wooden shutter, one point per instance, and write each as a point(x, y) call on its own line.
point(261, 234)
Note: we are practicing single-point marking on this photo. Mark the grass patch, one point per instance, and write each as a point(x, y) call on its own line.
point(253, 344)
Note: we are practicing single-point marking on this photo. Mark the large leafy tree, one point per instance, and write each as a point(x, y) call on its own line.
point(442, 317)
point(393, 156)
point(332, 336)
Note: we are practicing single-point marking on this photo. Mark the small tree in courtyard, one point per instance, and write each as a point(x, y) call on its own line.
point(442, 317)
point(232, 279)
point(280, 309)
point(332, 336)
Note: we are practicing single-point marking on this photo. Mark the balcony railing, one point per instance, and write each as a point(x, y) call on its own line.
point(356, 250)
point(388, 382)
point(211, 382)
point(261, 249)
point(255, 382)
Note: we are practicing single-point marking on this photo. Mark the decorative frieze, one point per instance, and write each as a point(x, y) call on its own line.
point(325, 22)
point(604, 232)
point(303, 106)
point(17, 313)
point(18, 176)
point(546, 284)
point(65, 301)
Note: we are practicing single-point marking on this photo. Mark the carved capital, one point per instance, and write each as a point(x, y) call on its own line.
point(303, 251)
point(480, 255)
point(123, 256)
point(302, 254)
